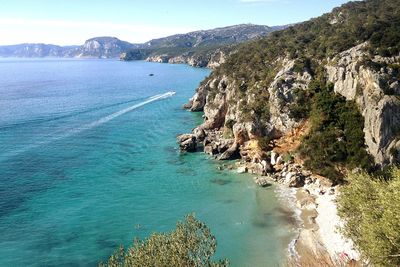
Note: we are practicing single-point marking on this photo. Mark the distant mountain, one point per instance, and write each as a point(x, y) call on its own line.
point(104, 47)
point(99, 47)
point(218, 36)
point(199, 48)
point(36, 50)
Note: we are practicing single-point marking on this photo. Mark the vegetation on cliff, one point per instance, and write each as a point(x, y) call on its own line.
point(336, 140)
point(375, 21)
point(199, 46)
point(190, 244)
point(370, 208)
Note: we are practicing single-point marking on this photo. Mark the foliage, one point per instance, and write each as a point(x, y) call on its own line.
point(301, 107)
point(370, 207)
point(337, 137)
point(375, 21)
point(190, 244)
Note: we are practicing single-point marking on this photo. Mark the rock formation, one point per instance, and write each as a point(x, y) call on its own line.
point(376, 93)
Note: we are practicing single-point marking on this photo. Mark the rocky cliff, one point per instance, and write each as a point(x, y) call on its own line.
point(200, 48)
point(225, 107)
point(377, 93)
point(210, 59)
point(103, 47)
point(263, 98)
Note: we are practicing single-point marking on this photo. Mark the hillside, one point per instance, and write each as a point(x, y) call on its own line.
point(36, 50)
point(334, 78)
point(99, 47)
point(199, 48)
point(315, 105)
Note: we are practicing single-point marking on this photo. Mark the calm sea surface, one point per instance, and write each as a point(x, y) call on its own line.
point(88, 154)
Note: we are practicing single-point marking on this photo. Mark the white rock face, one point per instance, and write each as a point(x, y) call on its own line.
point(223, 100)
point(381, 112)
point(274, 158)
point(281, 94)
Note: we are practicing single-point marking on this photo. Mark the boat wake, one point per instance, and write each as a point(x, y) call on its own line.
point(118, 113)
point(57, 136)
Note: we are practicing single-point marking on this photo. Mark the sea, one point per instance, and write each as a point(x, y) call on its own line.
point(89, 161)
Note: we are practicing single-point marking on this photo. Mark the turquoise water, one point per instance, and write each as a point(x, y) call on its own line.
point(86, 156)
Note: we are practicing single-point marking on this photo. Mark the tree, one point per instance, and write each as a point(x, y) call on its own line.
point(370, 208)
point(190, 244)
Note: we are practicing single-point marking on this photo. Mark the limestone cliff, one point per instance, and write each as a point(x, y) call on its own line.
point(234, 113)
point(211, 59)
point(237, 114)
point(376, 92)
point(316, 80)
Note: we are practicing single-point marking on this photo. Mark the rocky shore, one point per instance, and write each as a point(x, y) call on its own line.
point(255, 123)
point(315, 196)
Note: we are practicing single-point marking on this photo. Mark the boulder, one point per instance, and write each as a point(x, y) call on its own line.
point(296, 180)
point(187, 142)
point(211, 149)
point(199, 133)
point(260, 181)
point(231, 153)
point(225, 144)
point(242, 169)
point(279, 160)
point(274, 158)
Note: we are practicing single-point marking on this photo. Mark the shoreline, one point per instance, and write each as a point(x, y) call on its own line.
point(312, 200)
point(317, 224)
point(315, 221)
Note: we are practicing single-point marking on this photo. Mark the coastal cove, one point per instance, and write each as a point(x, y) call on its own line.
point(122, 175)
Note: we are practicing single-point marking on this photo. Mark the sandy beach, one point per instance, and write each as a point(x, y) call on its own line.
point(319, 232)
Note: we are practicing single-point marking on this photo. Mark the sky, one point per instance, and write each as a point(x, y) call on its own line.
point(71, 22)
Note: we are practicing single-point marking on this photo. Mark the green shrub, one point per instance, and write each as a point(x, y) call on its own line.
point(301, 107)
point(190, 244)
point(336, 138)
point(370, 208)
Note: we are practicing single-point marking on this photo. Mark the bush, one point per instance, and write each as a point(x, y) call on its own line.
point(336, 138)
point(190, 244)
point(370, 208)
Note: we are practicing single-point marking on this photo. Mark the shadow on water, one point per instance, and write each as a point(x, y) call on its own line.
point(186, 171)
point(220, 181)
point(171, 150)
point(175, 162)
point(124, 171)
point(106, 243)
point(23, 178)
point(229, 201)
point(286, 215)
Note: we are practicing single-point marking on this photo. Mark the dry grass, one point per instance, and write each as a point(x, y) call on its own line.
point(291, 141)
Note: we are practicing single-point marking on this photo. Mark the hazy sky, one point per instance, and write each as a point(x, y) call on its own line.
point(67, 22)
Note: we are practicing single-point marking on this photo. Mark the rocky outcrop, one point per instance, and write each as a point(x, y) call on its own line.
point(376, 93)
point(103, 47)
point(225, 110)
point(207, 48)
point(187, 142)
point(211, 59)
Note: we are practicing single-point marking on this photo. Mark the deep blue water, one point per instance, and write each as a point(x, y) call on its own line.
point(86, 156)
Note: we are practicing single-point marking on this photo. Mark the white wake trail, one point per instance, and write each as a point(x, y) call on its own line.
point(90, 125)
point(119, 113)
